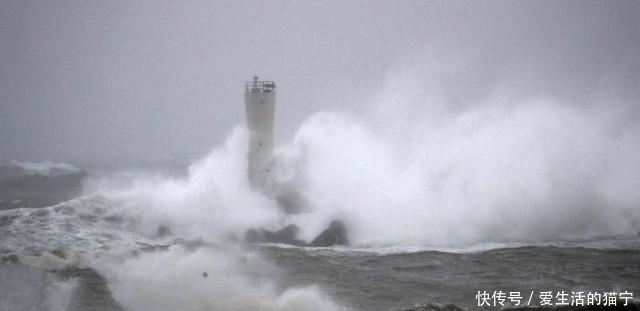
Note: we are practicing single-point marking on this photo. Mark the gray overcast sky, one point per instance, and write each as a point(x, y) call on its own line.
point(135, 80)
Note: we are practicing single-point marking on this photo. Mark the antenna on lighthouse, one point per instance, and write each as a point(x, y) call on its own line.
point(260, 100)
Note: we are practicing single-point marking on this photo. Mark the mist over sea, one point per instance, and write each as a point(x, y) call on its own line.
point(525, 198)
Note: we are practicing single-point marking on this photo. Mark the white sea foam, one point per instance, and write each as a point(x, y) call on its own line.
point(415, 172)
point(412, 170)
point(45, 167)
point(409, 174)
point(176, 280)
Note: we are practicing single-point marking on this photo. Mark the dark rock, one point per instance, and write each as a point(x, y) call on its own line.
point(336, 234)
point(252, 236)
point(288, 232)
point(266, 236)
point(286, 235)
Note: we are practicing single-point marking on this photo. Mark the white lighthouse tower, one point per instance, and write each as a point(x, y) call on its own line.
point(260, 100)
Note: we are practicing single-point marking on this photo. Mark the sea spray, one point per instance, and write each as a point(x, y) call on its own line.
point(211, 203)
point(414, 169)
point(526, 171)
point(206, 279)
point(505, 170)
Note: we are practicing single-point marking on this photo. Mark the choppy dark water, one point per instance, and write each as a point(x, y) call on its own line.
point(374, 281)
point(44, 265)
point(371, 281)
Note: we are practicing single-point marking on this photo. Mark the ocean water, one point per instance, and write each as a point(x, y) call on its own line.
point(87, 254)
point(382, 280)
point(504, 198)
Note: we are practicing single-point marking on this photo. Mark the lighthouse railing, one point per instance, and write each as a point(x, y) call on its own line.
point(260, 86)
